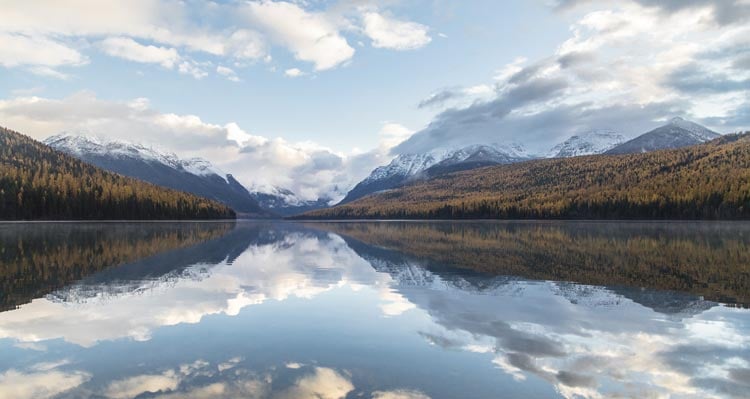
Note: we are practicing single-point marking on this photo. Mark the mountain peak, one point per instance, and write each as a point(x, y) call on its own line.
point(676, 120)
point(90, 145)
point(194, 175)
point(675, 134)
point(407, 167)
point(587, 143)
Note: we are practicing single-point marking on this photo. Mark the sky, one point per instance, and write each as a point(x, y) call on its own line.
point(311, 95)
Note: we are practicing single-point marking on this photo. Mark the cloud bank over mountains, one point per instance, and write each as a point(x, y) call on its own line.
point(625, 67)
point(309, 169)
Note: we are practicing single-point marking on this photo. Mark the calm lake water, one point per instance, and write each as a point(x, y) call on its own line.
point(374, 310)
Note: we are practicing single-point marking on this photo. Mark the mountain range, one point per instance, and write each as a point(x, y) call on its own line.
point(284, 202)
point(198, 176)
point(195, 175)
point(410, 168)
point(406, 168)
point(706, 181)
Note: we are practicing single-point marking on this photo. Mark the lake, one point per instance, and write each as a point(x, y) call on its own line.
point(381, 310)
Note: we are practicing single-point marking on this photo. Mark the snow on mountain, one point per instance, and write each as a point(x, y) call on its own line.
point(283, 201)
point(194, 175)
point(590, 143)
point(676, 134)
point(407, 167)
point(80, 146)
point(403, 165)
point(695, 130)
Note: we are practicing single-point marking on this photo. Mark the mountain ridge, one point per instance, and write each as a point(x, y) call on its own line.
point(677, 133)
point(705, 181)
point(194, 175)
point(38, 182)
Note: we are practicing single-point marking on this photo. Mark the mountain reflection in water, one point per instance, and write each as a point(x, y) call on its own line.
point(374, 310)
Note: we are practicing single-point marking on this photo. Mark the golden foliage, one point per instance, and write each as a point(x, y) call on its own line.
point(709, 260)
point(37, 182)
point(37, 259)
point(708, 181)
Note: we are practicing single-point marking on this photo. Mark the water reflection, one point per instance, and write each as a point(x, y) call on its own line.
point(382, 311)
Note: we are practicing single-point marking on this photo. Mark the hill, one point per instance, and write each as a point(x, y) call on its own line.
point(707, 181)
point(38, 182)
point(195, 175)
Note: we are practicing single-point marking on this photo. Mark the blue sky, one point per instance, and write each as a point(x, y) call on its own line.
point(312, 95)
point(342, 107)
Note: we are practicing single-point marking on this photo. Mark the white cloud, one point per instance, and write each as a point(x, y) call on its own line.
point(323, 383)
point(399, 394)
point(311, 36)
point(38, 34)
point(293, 72)
point(626, 67)
point(21, 50)
point(195, 69)
point(391, 134)
point(387, 32)
point(228, 73)
point(39, 384)
point(131, 50)
point(134, 386)
point(308, 169)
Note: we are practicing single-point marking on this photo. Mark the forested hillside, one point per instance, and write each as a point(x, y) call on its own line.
point(707, 181)
point(37, 182)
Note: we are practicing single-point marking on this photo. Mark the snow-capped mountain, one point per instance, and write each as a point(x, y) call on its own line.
point(590, 143)
point(283, 201)
point(409, 167)
point(194, 175)
point(677, 133)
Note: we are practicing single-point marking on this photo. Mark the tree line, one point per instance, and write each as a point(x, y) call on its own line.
point(713, 262)
point(38, 259)
point(707, 181)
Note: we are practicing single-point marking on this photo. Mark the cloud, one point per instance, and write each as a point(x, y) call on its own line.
point(453, 95)
point(39, 384)
point(21, 50)
point(399, 394)
point(182, 36)
point(131, 50)
point(293, 73)
point(308, 169)
point(228, 73)
point(311, 36)
point(722, 12)
point(627, 68)
point(134, 386)
point(439, 98)
point(322, 383)
point(390, 33)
